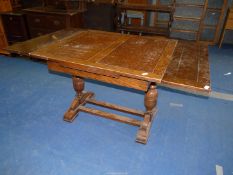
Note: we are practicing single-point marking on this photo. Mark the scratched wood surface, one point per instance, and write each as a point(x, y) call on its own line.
point(25, 48)
point(112, 54)
point(189, 68)
point(126, 60)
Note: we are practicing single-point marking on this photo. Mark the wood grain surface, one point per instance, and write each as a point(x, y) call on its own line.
point(125, 60)
point(144, 58)
point(25, 48)
point(189, 69)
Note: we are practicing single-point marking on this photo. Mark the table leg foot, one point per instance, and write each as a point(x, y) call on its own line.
point(73, 110)
point(79, 100)
point(144, 130)
point(70, 114)
point(150, 104)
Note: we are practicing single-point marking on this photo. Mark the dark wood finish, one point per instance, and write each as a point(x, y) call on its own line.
point(126, 60)
point(67, 5)
point(30, 3)
point(137, 1)
point(15, 27)
point(14, 20)
point(189, 69)
point(228, 25)
point(146, 7)
point(100, 16)
point(44, 20)
point(16, 4)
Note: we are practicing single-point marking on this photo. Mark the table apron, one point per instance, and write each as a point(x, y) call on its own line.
point(137, 84)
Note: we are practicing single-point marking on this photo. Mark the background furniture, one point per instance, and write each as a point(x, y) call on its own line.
point(14, 20)
point(200, 21)
point(5, 6)
point(15, 26)
point(228, 24)
point(147, 9)
point(30, 3)
point(100, 15)
point(54, 15)
point(43, 20)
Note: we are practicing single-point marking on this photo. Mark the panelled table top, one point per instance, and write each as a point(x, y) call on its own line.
point(112, 54)
point(181, 65)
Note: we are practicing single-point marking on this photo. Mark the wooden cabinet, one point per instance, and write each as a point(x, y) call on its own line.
point(53, 22)
point(100, 16)
point(14, 20)
point(15, 27)
point(44, 20)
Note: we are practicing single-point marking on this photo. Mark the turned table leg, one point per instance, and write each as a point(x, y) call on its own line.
point(150, 102)
point(78, 84)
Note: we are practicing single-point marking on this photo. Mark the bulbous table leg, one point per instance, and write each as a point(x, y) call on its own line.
point(150, 102)
point(78, 84)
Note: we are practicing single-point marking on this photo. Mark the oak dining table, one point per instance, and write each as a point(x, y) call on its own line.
point(137, 62)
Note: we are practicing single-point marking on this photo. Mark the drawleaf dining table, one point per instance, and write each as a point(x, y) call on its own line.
point(137, 62)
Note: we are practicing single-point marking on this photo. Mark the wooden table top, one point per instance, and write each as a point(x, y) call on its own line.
point(181, 65)
point(189, 68)
point(27, 47)
point(113, 54)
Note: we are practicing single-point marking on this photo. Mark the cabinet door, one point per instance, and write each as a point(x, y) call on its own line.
point(99, 16)
point(15, 27)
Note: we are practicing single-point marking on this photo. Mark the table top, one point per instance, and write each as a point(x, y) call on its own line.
point(145, 58)
point(189, 68)
point(25, 48)
point(181, 65)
